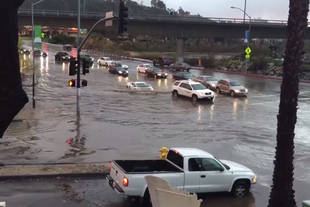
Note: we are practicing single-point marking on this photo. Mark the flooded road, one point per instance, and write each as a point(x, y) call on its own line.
point(118, 124)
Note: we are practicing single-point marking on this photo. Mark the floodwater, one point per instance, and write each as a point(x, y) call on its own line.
point(115, 123)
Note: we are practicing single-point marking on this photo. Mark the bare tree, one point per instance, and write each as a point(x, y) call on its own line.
point(12, 96)
point(282, 192)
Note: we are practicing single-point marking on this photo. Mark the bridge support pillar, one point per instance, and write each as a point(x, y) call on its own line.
point(180, 51)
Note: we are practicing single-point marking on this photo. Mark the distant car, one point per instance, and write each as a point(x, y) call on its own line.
point(162, 61)
point(62, 57)
point(140, 86)
point(39, 52)
point(179, 67)
point(182, 76)
point(87, 58)
point(156, 72)
point(67, 47)
point(208, 81)
point(103, 61)
point(141, 68)
point(118, 69)
point(25, 50)
point(234, 88)
point(192, 89)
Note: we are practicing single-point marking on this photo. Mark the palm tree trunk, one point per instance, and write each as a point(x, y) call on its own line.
point(12, 96)
point(282, 193)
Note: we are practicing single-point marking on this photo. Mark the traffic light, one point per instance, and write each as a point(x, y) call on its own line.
point(73, 66)
point(85, 67)
point(123, 17)
point(71, 83)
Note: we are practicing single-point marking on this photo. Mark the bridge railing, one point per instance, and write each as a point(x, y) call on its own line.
point(194, 19)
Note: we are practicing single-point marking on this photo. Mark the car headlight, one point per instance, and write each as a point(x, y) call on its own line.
point(213, 85)
point(158, 74)
point(254, 179)
point(237, 91)
point(119, 72)
point(246, 90)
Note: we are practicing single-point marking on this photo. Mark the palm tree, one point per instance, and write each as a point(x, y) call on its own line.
point(282, 193)
point(12, 96)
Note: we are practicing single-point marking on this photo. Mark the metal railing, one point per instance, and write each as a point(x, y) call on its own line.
point(194, 19)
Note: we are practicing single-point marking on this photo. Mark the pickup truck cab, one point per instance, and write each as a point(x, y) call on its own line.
point(189, 169)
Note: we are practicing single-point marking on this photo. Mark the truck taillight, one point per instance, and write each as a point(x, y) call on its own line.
point(125, 181)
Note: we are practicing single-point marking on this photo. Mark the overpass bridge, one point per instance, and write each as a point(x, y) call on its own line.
point(176, 27)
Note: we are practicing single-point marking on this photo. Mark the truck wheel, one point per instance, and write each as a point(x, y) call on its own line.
point(241, 188)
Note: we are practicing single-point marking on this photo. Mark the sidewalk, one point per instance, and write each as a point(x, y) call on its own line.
point(53, 170)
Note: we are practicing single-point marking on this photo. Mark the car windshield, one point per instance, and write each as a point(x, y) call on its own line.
point(142, 85)
point(148, 66)
point(198, 87)
point(157, 70)
point(210, 79)
point(234, 83)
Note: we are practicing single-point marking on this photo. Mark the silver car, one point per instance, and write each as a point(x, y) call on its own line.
point(234, 88)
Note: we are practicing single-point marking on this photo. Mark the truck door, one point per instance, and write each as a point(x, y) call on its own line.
point(213, 176)
point(192, 177)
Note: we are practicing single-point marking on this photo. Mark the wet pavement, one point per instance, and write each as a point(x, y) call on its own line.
point(118, 124)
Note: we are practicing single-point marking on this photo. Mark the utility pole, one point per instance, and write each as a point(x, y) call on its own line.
point(244, 11)
point(78, 86)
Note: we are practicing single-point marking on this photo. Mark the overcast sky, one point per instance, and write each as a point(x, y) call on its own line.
point(264, 9)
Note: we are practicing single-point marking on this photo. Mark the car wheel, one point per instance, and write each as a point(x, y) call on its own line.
point(232, 93)
point(175, 93)
point(218, 90)
point(240, 189)
point(194, 98)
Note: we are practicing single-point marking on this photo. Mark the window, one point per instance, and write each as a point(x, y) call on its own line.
point(194, 164)
point(176, 83)
point(176, 158)
point(183, 85)
point(187, 86)
point(209, 164)
point(198, 87)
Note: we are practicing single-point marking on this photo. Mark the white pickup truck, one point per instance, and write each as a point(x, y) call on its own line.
point(189, 169)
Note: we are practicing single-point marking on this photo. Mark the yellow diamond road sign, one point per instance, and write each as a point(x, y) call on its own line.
point(248, 50)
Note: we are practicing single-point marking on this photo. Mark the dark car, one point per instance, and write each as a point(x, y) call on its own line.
point(208, 81)
point(162, 61)
point(182, 76)
point(179, 67)
point(25, 50)
point(155, 72)
point(62, 57)
point(87, 58)
point(39, 53)
point(118, 69)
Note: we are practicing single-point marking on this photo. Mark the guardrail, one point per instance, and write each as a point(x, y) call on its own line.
point(60, 13)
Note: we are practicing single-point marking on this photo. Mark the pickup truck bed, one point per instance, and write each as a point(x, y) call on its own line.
point(146, 166)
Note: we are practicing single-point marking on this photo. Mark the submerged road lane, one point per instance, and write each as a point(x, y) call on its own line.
point(118, 124)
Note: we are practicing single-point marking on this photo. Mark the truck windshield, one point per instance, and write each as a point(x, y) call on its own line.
point(176, 158)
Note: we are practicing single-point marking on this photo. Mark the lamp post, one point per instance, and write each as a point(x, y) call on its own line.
point(33, 62)
point(249, 30)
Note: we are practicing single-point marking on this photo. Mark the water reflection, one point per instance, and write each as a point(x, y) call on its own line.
point(225, 199)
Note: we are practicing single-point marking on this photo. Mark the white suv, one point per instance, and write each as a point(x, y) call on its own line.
point(103, 61)
point(192, 90)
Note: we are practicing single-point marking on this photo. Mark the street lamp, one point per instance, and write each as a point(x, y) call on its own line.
point(248, 33)
point(33, 63)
